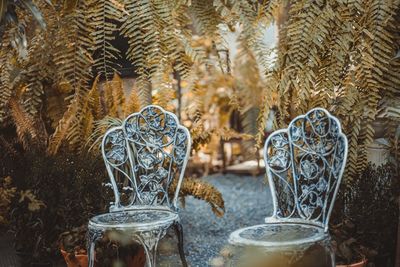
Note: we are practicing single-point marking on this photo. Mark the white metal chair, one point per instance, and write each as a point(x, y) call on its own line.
point(143, 157)
point(304, 165)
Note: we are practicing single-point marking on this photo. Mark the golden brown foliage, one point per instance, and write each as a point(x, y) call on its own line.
point(338, 55)
point(201, 190)
point(88, 119)
point(163, 38)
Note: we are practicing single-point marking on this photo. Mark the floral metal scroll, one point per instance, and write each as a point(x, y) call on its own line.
point(305, 164)
point(144, 156)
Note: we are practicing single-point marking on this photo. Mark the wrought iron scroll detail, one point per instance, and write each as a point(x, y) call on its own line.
point(304, 165)
point(144, 156)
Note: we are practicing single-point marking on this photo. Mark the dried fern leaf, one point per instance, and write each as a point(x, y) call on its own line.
point(100, 128)
point(203, 191)
point(24, 123)
point(132, 104)
point(104, 18)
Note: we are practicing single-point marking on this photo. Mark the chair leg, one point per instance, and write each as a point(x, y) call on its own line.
point(332, 255)
point(92, 237)
point(151, 254)
point(149, 240)
point(91, 255)
point(179, 234)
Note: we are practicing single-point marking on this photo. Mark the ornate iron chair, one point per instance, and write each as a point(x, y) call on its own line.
point(304, 165)
point(143, 157)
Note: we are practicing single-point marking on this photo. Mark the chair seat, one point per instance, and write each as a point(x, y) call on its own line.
point(139, 219)
point(277, 235)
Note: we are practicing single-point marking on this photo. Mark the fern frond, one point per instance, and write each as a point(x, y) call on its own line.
point(37, 69)
point(248, 81)
point(132, 104)
point(95, 104)
point(118, 94)
point(24, 124)
point(206, 18)
point(75, 46)
point(114, 96)
point(56, 103)
point(105, 16)
point(156, 48)
point(61, 132)
point(82, 125)
point(200, 136)
point(203, 191)
point(164, 96)
point(228, 134)
point(100, 128)
point(6, 87)
point(140, 28)
point(73, 58)
point(144, 90)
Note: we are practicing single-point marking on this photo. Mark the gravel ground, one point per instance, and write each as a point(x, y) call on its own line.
point(247, 202)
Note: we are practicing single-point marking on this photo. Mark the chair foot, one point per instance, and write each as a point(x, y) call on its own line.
point(151, 254)
point(93, 235)
point(179, 233)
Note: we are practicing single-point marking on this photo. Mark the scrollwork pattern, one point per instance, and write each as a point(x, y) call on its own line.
point(305, 164)
point(280, 233)
point(144, 156)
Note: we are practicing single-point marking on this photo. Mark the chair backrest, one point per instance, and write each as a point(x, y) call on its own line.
point(144, 156)
point(304, 165)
